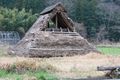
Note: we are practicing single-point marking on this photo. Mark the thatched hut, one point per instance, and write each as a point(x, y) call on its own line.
point(52, 35)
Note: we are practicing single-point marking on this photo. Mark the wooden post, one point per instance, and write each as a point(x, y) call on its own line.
point(101, 68)
point(74, 30)
point(53, 30)
point(56, 21)
point(2, 36)
point(68, 30)
point(61, 29)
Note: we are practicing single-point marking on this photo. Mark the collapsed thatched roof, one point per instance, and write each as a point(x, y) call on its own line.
point(59, 11)
point(40, 43)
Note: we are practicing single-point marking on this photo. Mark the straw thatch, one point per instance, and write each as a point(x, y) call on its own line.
point(43, 41)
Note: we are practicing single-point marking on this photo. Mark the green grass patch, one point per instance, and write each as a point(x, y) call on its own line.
point(44, 76)
point(3, 73)
point(39, 75)
point(10, 75)
point(115, 51)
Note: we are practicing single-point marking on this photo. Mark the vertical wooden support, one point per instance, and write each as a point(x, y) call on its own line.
point(61, 29)
point(2, 36)
point(45, 30)
point(53, 30)
point(5, 37)
point(74, 29)
point(56, 21)
point(68, 30)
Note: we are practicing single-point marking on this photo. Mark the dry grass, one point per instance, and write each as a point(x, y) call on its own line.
point(3, 50)
point(76, 66)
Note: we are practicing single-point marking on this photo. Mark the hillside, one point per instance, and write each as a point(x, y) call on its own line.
point(97, 16)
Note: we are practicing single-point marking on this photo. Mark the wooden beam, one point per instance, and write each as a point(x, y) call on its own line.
point(66, 21)
point(56, 21)
point(101, 68)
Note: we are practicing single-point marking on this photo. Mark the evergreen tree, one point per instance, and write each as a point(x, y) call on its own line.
point(85, 12)
point(15, 20)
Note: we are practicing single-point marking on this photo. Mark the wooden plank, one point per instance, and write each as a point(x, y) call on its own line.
point(101, 68)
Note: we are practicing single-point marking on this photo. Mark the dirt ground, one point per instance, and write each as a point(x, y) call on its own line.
point(69, 67)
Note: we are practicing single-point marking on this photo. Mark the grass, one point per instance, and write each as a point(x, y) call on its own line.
point(44, 76)
point(115, 51)
point(24, 70)
point(47, 65)
point(3, 50)
point(3, 73)
point(9, 75)
point(37, 75)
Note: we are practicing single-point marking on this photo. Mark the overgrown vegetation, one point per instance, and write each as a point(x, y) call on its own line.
point(15, 20)
point(35, 5)
point(100, 17)
point(19, 68)
point(85, 12)
point(22, 70)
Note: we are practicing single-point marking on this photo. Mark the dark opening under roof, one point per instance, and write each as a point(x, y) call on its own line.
point(63, 21)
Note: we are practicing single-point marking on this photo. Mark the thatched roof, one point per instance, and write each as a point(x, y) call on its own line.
point(40, 43)
point(51, 8)
point(58, 11)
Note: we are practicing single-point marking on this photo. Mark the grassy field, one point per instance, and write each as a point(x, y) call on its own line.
point(28, 75)
point(115, 51)
point(54, 68)
point(11, 72)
